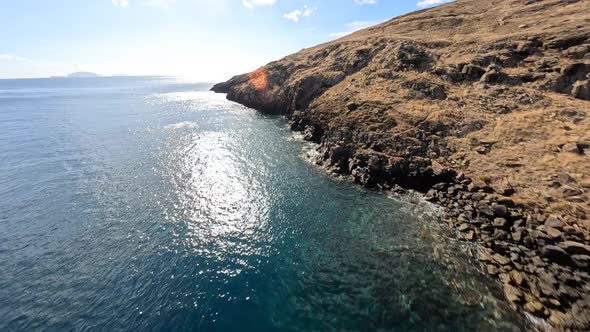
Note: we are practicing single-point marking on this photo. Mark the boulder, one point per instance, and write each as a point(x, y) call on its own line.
point(570, 191)
point(437, 168)
point(499, 210)
point(425, 89)
point(556, 254)
point(513, 294)
point(463, 227)
point(517, 278)
point(352, 106)
point(500, 222)
point(484, 257)
point(517, 235)
point(571, 148)
point(553, 233)
point(472, 72)
point(501, 260)
point(486, 210)
point(581, 90)
point(534, 306)
point(575, 248)
point(581, 261)
point(554, 222)
point(411, 56)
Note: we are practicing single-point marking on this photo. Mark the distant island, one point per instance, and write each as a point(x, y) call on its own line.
point(82, 74)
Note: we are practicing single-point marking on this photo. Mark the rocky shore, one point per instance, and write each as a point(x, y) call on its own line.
point(483, 107)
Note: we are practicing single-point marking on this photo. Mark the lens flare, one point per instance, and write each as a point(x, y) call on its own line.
point(259, 79)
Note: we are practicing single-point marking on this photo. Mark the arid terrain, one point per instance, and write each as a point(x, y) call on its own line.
point(481, 105)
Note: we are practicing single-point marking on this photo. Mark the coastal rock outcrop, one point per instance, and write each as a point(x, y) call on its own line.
point(481, 105)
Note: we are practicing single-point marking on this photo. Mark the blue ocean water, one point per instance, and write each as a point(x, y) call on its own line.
point(148, 203)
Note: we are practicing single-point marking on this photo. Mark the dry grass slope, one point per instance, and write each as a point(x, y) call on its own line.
point(484, 104)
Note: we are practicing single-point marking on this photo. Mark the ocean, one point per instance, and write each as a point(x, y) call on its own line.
point(151, 204)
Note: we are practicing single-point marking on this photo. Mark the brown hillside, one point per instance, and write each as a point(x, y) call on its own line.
point(484, 104)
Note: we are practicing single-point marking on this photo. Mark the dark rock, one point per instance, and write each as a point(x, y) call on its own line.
point(571, 148)
point(500, 210)
point(508, 202)
point(500, 234)
point(578, 52)
point(477, 197)
point(569, 191)
point(352, 106)
point(486, 210)
point(556, 254)
point(440, 186)
point(472, 72)
point(472, 187)
point(575, 248)
point(494, 75)
point(526, 48)
point(424, 89)
point(431, 195)
point(581, 261)
point(565, 42)
point(410, 56)
point(581, 90)
point(482, 150)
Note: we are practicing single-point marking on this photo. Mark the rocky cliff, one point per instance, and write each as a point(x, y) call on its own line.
point(481, 105)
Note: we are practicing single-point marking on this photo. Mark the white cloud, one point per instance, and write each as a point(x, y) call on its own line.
point(297, 14)
point(158, 3)
point(149, 3)
point(253, 3)
point(365, 2)
point(10, 57)
point(354, 26)
point(121, 3)
point(294, 15)
point(428, 3)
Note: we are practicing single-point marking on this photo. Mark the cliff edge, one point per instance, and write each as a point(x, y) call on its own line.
point(481, 105)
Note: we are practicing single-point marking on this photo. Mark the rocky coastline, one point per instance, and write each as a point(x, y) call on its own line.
point(483, 107)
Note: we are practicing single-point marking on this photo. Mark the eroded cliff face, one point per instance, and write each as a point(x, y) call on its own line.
point(484, 106)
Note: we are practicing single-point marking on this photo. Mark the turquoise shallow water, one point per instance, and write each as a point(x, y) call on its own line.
point(149, 203)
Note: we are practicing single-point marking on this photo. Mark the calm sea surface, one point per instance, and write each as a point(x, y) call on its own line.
point(148, 203)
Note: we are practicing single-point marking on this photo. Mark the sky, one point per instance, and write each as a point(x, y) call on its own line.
point(208, 40)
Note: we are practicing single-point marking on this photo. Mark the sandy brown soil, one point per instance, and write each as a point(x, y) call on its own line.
point(483, 105)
